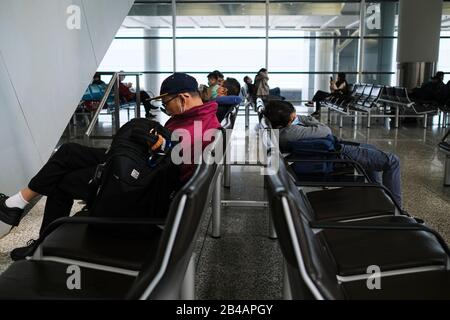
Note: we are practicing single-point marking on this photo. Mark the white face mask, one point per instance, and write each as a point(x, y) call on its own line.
point(296, 121)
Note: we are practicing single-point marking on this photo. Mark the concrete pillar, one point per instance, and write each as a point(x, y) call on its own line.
point(323, 61)
point(386, 46)
point(419, 29)
point(151, 82)
point(312, 57)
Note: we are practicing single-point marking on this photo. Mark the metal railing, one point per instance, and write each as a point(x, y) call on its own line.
point(114, 83)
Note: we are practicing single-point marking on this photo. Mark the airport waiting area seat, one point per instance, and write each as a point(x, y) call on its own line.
point(333, 259)
point(366, 99)
point(158, 265)
point(350, 193)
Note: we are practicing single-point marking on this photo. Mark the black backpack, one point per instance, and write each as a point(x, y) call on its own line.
point(133, 182)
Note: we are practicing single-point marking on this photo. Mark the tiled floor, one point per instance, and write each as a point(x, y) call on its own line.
point(244, 263)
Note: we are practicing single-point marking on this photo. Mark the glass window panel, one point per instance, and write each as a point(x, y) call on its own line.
point(380, 55)
point(143, 43)
point(444, 54)
point(229, 37)
point(226, 55)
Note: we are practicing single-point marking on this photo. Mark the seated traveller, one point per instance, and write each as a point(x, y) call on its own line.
point(382, 167)
point(228, 96)
point(248, 90)
point(429, 91)
point(209, 92)
point(127, 95)
point(97, 80)
point(338, 87)
point(67, 173)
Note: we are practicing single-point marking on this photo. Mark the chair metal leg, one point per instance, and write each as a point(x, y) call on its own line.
point(425, 119)
point(447, 171)
point(187, 291)
point(272, 231)
point(226, 175)
point(329, 115)
point(341, 118)
point(216, 206)
point(397, 112)
point(368, 119)
point(287, 294)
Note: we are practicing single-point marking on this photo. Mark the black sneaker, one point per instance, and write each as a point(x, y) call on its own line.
point(23, 252)
point(315, 114)
point(8, 215)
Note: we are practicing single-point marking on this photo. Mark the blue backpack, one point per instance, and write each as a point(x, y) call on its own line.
point(315, 149)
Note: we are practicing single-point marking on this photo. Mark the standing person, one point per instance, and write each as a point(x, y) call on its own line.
point(67, 173)
point(261, 84)
point(338, 87)
point(127, 95)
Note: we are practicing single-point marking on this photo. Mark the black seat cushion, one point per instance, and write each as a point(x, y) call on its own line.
point(349, 203)
point(28, 279)
point(355, 250)
point(81, 242)
point(421, 285)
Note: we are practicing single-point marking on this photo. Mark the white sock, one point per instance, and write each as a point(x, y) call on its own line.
point(16, 201)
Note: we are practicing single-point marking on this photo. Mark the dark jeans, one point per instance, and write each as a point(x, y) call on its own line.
point(66, 177)
point(144, 96)
point(382, 167)
point(319, 97)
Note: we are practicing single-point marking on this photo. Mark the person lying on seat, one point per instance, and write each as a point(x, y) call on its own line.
point(382, 167)
point(67, 173)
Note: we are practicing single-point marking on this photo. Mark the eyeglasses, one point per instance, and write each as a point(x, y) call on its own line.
point(164, 103)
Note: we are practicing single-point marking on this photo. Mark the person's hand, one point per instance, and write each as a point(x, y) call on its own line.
point(151, 133)
point(129, 84)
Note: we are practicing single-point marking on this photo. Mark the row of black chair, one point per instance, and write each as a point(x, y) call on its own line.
point(352, 241)
point(337, 260)
point(365, 99)
point(156, 264)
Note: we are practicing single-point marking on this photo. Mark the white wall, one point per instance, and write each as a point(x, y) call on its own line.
point(44, 70)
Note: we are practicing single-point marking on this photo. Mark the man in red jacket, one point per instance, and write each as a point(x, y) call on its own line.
point(66, 175)
point(190, 117)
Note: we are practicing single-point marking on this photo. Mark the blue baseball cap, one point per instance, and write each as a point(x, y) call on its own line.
point(177, 83)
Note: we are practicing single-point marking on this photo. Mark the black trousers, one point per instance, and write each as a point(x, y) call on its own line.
point(318, 97)
point(66, 177)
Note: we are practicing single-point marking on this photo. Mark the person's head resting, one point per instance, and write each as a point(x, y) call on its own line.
point(341, 77)
point(179, 93)
point(248, 80)
point(280, 113)
point(232, 87)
